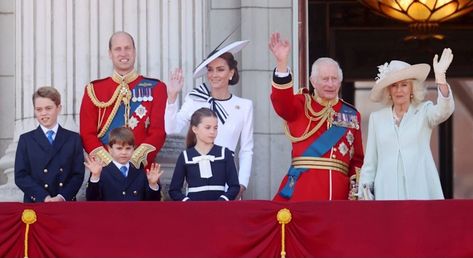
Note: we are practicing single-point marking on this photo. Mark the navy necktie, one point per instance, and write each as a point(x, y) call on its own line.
point(123, 170)
point(50, 134)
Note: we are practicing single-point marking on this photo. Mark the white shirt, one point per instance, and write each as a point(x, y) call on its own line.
point(54, 129)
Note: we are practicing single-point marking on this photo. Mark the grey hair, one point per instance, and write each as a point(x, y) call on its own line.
point(324, 60)
point(315, 71)
point(418, 92)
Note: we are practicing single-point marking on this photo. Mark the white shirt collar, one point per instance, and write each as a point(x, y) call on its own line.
point(54, 129)
point(119, 165)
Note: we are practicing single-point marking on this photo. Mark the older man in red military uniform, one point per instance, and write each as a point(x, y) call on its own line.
point(325, 131)
point(124, 99)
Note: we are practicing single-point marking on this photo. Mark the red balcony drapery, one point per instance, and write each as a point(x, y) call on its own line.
point(240, 229)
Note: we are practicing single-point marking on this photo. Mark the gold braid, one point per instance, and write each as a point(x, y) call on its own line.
point(122, 93)
point(322, 116)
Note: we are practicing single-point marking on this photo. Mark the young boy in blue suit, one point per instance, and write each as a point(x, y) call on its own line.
point(120, 180)
point(49, 161)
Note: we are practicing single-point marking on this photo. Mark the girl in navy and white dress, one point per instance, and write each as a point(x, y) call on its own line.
point(206, 167)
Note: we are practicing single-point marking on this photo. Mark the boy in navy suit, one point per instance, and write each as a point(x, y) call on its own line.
point(49, 161)
point(120, 180)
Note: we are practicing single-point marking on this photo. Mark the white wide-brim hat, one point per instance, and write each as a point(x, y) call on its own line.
point(397, 71)
point(233, 48)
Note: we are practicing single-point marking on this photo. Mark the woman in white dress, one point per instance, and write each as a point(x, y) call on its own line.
point(398, 160)
point(235, 114)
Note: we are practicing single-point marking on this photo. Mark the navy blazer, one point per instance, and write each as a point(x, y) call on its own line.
point(42, 169)
point(113, 186)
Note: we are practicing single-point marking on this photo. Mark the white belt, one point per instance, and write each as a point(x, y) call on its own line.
point(206, 188)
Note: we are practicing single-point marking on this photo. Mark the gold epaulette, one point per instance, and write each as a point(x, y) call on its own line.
point(102, 154)
point(140, 154)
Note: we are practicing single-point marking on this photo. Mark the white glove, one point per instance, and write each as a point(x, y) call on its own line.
point(440, 67)
point(366, 192)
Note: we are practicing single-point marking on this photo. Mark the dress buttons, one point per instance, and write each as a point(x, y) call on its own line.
point(45, 170)
point(123, 193)
point(60, 170)
point(135, 193)
point(45, 185)
point(334, 156)
point(60, 184)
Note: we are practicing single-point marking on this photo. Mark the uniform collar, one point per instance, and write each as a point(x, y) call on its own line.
point(127, 78)
point(325, 102)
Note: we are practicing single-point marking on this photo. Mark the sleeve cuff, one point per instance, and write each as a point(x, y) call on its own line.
point(154, 189)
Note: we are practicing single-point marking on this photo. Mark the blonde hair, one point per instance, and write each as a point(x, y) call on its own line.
point(418, 93)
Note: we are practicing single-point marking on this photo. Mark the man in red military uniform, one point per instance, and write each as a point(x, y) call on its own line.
point(325, 132)
point(124, 99)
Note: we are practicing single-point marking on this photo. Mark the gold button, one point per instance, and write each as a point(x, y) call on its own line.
point(45, 170)
point(60, 184)
point(45, 185)
point(334, 149)
point(123, 193)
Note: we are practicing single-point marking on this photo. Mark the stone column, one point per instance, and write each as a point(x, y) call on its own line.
point(65, 44)
point(272, 150)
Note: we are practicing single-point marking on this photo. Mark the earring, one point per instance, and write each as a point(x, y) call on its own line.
point(231, 78)
point(412, 96)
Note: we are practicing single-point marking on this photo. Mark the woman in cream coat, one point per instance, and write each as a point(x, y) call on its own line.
point(398, 160)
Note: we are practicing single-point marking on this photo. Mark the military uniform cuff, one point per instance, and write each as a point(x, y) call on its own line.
point(102, 154)
point(282, 82)
point(140, 154)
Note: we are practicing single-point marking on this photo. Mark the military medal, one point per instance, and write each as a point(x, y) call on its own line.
point(343, 148)
point(141, 111)
point(350, 137)
point(132, 122)
point(134, 96)
point(145, 94)
point(140, 94)
point(150, 95)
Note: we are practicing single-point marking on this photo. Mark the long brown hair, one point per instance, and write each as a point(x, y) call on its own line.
point(196, 119)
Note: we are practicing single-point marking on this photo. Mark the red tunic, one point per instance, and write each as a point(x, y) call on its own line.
point(150, 127)
point(317, 184)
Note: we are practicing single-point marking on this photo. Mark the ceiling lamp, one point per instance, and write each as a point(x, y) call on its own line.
point(423, 16)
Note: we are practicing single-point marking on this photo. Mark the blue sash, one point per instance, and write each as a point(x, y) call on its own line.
point(119, 119)
point(318, 148)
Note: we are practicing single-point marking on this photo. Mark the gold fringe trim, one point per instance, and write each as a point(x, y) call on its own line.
point(28, 217)
point(284, 217)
